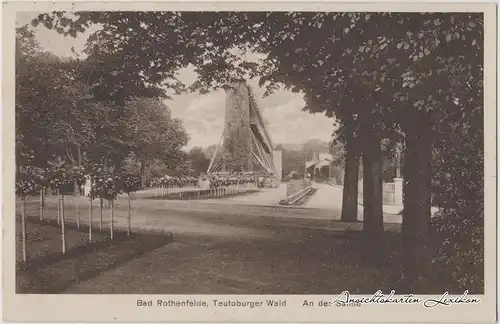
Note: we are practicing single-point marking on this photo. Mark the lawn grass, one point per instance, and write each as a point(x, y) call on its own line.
point(43, 240)
point(242, 252)
point(48, 270)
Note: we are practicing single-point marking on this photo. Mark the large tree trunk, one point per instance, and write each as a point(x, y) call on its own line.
point(373, 220)
point(350, 189)
point(417, 205)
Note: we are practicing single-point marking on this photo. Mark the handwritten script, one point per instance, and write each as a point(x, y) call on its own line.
point(445, 299)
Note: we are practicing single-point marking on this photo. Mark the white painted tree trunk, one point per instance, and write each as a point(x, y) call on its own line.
point(112, 209)
point(23, 228)
point(90, 214)
point(63, 232)
point(128, 216)
point(58, 208)
point(77, 203)
point(100, 219)
point(41, 204)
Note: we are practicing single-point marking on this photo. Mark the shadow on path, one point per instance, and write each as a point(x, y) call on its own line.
point(95, 245)
point(56, 277)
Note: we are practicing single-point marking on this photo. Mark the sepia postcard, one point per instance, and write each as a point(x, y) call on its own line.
point(249, 162)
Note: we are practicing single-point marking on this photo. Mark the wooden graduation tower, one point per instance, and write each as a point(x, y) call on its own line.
point(245, 145)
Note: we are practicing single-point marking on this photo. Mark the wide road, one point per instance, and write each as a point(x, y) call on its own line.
point(221, 248)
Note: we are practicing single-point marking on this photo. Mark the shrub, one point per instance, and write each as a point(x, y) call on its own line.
point(459, 258)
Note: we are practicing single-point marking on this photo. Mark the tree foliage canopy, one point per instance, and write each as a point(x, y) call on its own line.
point(59, 118)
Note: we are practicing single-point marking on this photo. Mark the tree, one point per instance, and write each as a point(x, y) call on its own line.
point(123, 33)
point(56, 115)
point(56, 118)
point(77, 175)
point(96, 173)
point(60, 177)
point(350, 184)
point(25, 185)
point(131, 183)
point(53, 111)
point(293, 162)
point(199, 161)
point(459, 225)
point(109, 187)
point(179, 165)
point(209, 151)
point(152, 132)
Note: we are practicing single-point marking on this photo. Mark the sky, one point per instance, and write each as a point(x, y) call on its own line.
point(203, 115)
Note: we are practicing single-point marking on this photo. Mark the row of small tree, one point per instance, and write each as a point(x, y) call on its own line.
point(174, 182)
point(217, 181)
point(222, 186)
point(103, 185)
point(218, 184)
point(171, 184)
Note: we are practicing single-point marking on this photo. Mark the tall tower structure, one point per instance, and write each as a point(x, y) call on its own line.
point(237, 142)
point(245, 145)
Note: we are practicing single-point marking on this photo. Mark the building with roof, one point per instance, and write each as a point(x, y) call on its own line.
point(320, 168)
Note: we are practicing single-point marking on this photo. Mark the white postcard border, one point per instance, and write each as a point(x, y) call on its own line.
point(65, 308)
